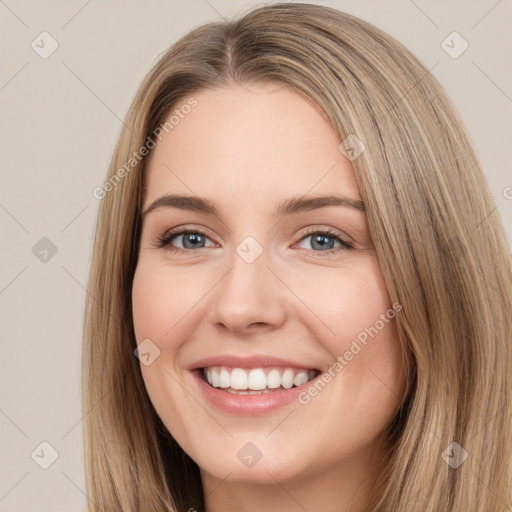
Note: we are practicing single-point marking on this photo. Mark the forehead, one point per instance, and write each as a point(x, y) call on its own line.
point(243, 144)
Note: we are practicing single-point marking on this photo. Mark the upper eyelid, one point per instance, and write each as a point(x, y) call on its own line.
point(310, 230)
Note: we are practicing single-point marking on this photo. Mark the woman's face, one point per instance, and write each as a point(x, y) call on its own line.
point(256, 298)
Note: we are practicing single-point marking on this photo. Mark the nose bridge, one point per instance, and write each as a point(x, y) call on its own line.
point(249, 293)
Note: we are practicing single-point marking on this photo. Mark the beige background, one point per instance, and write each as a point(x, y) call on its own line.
point(60, 119)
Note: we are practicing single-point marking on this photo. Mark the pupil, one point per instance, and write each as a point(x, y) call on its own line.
point(321, 240)
point(193, 238)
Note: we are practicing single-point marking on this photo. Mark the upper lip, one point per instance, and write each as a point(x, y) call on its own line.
point(255, 361)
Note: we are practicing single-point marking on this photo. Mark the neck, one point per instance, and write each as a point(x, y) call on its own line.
point(344, 487)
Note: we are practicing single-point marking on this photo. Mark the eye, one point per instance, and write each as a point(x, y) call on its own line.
point(324, 240)
point(190, 239)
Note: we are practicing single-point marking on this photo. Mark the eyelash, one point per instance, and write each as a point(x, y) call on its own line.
point(165, 240)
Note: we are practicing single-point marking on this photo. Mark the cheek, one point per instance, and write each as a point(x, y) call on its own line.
point(362, 336)
point(349, 302)
point(163, 301)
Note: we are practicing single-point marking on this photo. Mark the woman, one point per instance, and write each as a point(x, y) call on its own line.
point(300, 291)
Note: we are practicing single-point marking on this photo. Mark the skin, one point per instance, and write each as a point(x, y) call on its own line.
point(247, 148)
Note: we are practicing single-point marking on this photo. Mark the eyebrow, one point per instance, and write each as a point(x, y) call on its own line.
point(287, 207)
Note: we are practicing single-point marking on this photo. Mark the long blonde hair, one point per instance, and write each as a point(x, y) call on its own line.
point(437, 234)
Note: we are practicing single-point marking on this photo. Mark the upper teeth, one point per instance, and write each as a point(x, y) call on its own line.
point(256, 378)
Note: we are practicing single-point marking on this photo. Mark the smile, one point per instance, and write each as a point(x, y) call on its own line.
point(256, 381)
point(253, 385)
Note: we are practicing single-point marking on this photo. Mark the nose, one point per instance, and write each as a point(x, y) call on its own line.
point(249, 298)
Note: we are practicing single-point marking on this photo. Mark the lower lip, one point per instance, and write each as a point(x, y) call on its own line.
point(248, 405)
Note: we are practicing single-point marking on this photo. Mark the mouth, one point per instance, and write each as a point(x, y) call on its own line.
point(253, 385)
point(256, 381)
